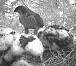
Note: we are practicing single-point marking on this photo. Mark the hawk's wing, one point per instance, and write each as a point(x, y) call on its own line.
point(39, 20)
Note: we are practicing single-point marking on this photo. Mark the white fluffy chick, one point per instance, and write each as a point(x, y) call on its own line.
point(35, 47)
point(7, 30)
point(16, 38)
point(8, 39)
point(63, 33)
point(16, 49)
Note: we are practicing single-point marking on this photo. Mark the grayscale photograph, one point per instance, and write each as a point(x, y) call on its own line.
point(37, 32)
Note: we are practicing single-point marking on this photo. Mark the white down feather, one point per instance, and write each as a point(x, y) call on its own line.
point(35, 47)
point(7, 30)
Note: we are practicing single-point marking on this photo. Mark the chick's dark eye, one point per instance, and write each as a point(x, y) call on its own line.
point(12, 32)
point(1, 35)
